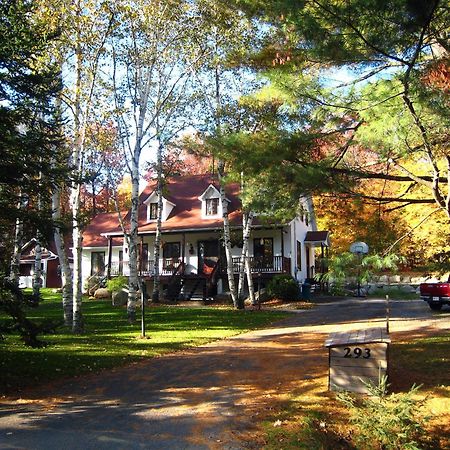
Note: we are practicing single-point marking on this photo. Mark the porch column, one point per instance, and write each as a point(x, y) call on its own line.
point(141, 254)
point(282, 250)
point(108, 270)
point(322, 258)
point(183, 250)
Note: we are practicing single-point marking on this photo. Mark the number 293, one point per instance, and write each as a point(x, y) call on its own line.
point(357, 352)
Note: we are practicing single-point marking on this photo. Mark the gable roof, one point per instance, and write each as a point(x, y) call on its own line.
point(184, 193)
point(27, 253)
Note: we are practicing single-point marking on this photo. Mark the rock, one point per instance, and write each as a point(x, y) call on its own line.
point(102, 293)
point(120, 298)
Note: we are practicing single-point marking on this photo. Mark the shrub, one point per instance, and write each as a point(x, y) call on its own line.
point(283, 287)
point(117, 283)
point(385, 421)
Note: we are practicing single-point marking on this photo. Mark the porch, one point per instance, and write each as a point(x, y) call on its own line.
point(170, 266)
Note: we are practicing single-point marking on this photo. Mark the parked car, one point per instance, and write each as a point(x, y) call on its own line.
point(436, 294)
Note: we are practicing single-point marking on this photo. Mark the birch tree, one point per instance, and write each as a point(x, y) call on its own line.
point(155, 54)
point(228, 35)
point(81, 49)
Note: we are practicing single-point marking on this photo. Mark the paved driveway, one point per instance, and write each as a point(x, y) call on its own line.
point(205, 398)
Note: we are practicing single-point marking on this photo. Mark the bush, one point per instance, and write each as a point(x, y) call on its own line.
point(117, 283)
point(283, 287)
point(385, 421)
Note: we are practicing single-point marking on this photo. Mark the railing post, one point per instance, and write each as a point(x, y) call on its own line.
point(108, 270)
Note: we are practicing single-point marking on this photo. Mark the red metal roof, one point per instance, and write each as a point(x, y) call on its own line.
point(99, 224)
point(184, 192)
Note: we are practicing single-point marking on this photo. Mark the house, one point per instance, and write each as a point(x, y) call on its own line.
point(192, 257)
point(51, 276)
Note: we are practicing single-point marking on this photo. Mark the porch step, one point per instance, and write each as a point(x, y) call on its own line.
point(193, 288)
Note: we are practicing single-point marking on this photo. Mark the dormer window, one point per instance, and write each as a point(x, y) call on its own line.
point(212, 206)
point(151, 203)
point(153, 211)
point(211, 203)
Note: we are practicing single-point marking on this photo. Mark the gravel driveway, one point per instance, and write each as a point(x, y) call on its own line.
point(204, 398)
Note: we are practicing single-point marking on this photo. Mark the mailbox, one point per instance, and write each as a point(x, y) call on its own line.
point(356, 358)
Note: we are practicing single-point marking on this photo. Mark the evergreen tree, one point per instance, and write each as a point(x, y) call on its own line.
point(29, 148)
point(29, 83)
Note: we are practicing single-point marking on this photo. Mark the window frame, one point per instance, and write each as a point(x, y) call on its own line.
point(153, 211)
point(214, 201)
point(95, 256)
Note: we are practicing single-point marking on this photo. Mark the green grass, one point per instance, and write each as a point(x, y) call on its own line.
point(394, 292)
point(110, 341)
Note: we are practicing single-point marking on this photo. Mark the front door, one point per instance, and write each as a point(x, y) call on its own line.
point(208, 255)
point(263, 253)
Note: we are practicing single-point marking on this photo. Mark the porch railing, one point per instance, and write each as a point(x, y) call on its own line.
point(276, 264)
point(167, 266)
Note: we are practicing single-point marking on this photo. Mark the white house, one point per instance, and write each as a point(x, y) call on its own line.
point(192, 256)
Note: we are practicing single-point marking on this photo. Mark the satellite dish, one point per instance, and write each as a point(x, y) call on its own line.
point(359, 248)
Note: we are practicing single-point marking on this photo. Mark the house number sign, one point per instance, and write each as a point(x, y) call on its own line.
point(356, 352)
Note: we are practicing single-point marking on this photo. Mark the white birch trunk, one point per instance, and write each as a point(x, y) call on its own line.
point(77, 163)
point(37, 275)
point(245, 260)
point(18, 243)
point(77, 293)
point(133, 283)
point(66, 272)
point(226, 237)
point(157, 249)
point(241, 280)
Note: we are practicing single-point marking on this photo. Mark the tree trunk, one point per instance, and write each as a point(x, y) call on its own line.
point(226, 237)
point(133, 238)
point(77, 293)
point(37, 275)
point(75, 190)
point(156, 254)
point(18, 242)
point(66, 272)
point(245, 261)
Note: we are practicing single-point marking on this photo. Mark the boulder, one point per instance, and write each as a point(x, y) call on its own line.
point(120, 298)
point(102, 293)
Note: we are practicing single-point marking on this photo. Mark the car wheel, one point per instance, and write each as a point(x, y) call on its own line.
point(435, 307)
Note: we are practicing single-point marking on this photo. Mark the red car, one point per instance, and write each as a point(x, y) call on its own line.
point(435, 294)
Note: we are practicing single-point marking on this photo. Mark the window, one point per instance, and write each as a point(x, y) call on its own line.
point(153, 214)
point(299, 255)
point(171, 250)
point(212, 206)
point(120, 262)
point(143, 262)
point(98, 263)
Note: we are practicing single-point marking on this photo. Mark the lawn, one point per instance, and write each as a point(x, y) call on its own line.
point(110, 341)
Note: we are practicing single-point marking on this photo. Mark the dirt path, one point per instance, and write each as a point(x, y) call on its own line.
point(205, 398)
